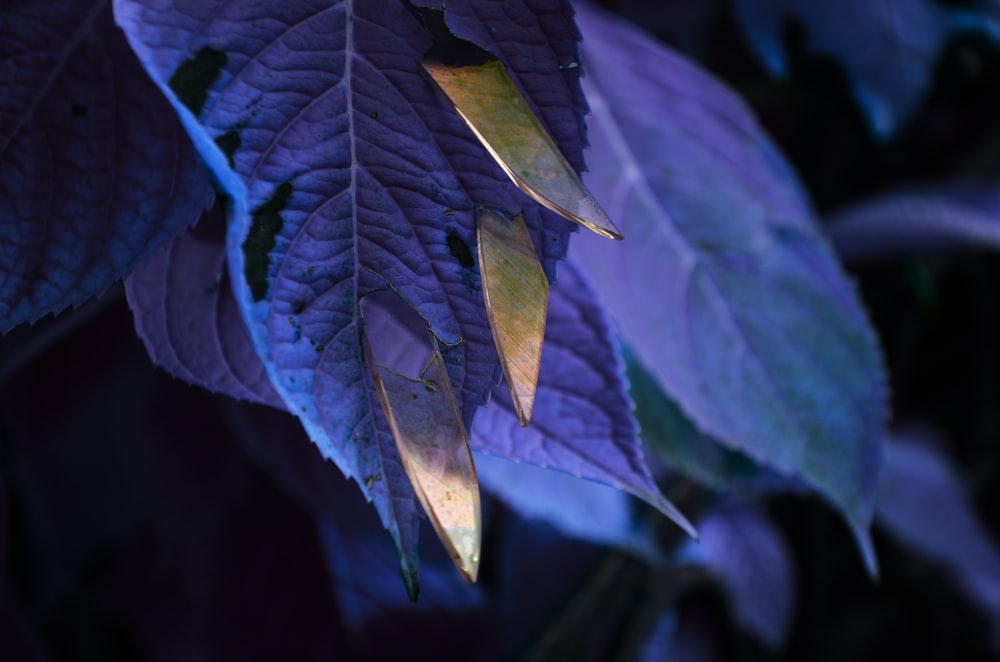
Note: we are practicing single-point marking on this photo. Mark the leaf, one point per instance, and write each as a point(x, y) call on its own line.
point(186, 316)
point(923, 504)
point(348, 174)
point(903, 222)
point(416, 397)
point(516, 294)
point(887, 48)
point(577, 508)
point(583, 421)
point(725, 291)
point(753, 563)
point(95, 171)
point(494, 110)
point(667, 432)
point(362, 565)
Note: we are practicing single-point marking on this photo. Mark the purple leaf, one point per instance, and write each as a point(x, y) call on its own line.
point(583, 422)
point(924, 505)
point(887, 48)
point(908, 221)
point(348, 174)
point(671, 639)
point(186, 316)
point(754, 565)
point(724, 290)
point(363, 578)
point(95, 171)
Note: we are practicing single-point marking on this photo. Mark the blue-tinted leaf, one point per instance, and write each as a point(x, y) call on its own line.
point(754, 565)
point(575, 507)
point(348, 173)
point(925, 220)
point(678, 442)
point(363, 578)
point(185, 314)
point(583, 421)
point(724, 289)
point(887, 48)
point(95, 171)
point(924, 504)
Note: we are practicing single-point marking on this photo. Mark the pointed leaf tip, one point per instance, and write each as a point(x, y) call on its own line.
point(489, 103)
point(416, 396)
point(516, 293)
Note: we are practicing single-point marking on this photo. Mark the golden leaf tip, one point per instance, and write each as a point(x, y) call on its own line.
point(428, 430)
point(492, 107)
point(516, 294)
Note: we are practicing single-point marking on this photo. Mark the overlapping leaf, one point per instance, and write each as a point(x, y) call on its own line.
point(348, 174)
point(186, 316)
point(725, 291)
point(585, 428)
point(95, 170)
point(932, 219)
point(583, 421)
point(922, 502)
point(753, 563)
point(888, 48)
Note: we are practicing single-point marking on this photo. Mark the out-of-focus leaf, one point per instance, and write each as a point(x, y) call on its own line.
point(725, 291)
point(348, 173)
point(682, 640)
point(924, 505)
point(677, 441)
point(576, 507)
point(754, 565)
point(924, 220)
point(185, 314)
point(363, 578)
point(583, 421)
point(887, 48)
point(95, 170)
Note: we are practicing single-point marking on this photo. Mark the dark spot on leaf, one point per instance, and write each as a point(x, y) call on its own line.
point(229, 142)
point(195, 75)
point(374, 114)
point(78, 110)
point(266, 225)
point(449, 212)
point(298, 307)
point(460, 250)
